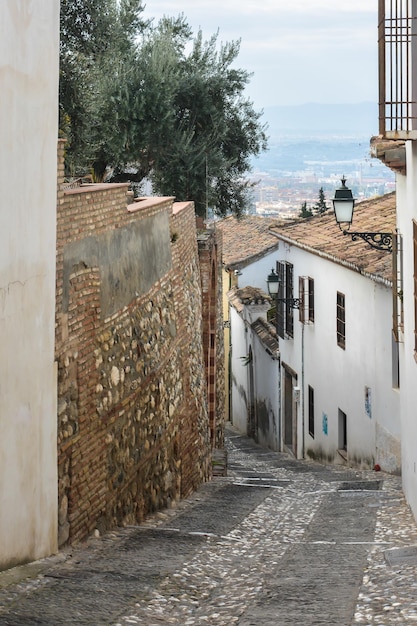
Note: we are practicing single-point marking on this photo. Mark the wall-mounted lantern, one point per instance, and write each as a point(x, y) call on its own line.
point(344, 204)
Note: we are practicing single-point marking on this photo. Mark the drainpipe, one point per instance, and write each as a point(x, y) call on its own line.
point(302, 395)
point(279, 407)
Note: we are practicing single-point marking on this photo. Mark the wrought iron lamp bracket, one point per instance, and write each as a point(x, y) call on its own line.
point(379, 241)
point(292, 303)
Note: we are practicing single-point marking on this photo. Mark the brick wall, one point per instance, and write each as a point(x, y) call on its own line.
point(133, 426)
point(210, 254)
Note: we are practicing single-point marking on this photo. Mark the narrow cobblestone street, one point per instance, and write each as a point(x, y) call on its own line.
point(277, 542)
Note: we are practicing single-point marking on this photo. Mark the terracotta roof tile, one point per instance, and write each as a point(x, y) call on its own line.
point(246, 238)
point(267, 335)
point(321, 234)
point(239, 297)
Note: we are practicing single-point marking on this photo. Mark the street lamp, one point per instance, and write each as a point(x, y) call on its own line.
point(343, 204)
point(274, 284)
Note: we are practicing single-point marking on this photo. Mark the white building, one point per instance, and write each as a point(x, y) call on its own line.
point(29, 53)
point(255, 367)
point(340, 388)
point(397, 147)
point(334, 380)
point(249, 253)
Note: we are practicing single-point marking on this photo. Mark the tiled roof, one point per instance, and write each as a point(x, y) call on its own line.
point(267, 335)
point(239, 297)
point(321, 235)
point(246, 238)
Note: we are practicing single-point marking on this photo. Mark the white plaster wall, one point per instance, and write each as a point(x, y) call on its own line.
point(406, 213)
point(267, 396)
point(256, 273)
point(338, 376)
point(29, 51)
point(239, 372)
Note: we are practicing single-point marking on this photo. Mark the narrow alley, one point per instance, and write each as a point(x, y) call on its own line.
point(277, 542)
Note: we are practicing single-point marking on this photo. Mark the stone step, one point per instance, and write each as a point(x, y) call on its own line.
point(219, 462)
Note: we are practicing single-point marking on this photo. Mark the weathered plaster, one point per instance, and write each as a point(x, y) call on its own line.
point(29, 52)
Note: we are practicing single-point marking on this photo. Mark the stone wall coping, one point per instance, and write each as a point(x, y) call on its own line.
point(180, 206)
point(92, 187)
point(148, 201)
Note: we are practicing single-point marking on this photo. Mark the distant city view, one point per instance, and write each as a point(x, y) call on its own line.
point(300, 162)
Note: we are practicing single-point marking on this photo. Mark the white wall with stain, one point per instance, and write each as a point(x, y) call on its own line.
point(29, 59)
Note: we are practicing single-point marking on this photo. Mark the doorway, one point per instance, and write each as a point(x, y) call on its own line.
point(290, 411)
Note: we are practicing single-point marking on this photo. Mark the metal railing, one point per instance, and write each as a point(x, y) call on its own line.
point(397, 47)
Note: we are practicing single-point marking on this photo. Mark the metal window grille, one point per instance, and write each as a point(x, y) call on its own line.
point(280, 308)
point(289, 295)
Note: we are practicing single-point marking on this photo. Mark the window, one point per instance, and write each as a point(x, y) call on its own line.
point(311, 411)
point(342, 434)
point(284, 311)
point(340, 320)
point(280, 310)
point(311, 299)
point(289, 295)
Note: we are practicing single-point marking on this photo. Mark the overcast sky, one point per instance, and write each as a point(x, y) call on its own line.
point(299, 51)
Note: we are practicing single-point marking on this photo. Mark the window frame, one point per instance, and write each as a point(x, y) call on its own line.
point(284, 315)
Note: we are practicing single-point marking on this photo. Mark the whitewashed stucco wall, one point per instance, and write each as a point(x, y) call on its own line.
point(29, 56)
point(256, 273)
point(406, 213)
point(239, 372)
point(339, 377)
point(263, 396)
point(267, 396)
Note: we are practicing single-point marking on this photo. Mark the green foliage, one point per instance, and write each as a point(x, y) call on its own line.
point(138, 100)
point(321, 207)
point(97, 37)
point(305, 212)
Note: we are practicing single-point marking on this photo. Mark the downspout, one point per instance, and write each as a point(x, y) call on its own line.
point(229, 363)
point(302, 395)
point(279, 406)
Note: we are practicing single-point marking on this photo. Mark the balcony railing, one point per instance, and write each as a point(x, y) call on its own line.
point(397, 44)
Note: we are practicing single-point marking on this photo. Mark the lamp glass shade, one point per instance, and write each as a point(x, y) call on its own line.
point(343, 209)
point(273, 283)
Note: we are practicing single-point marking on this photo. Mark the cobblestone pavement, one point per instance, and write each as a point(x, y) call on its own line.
point(277, 542)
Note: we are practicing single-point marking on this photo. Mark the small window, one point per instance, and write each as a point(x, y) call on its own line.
point(340, 320)
point(311, 411)
point(284, 310)
point(311, 299)
point(342, 434)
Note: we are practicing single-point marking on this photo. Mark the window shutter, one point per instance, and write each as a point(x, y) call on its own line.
point(303, 297)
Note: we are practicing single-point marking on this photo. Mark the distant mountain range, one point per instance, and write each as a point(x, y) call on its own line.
point(315, 118)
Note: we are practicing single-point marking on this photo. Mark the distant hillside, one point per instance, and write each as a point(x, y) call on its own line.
point(360, 118)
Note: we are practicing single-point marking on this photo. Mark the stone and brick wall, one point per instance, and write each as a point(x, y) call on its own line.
point(133, 424)
point(210, 253)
